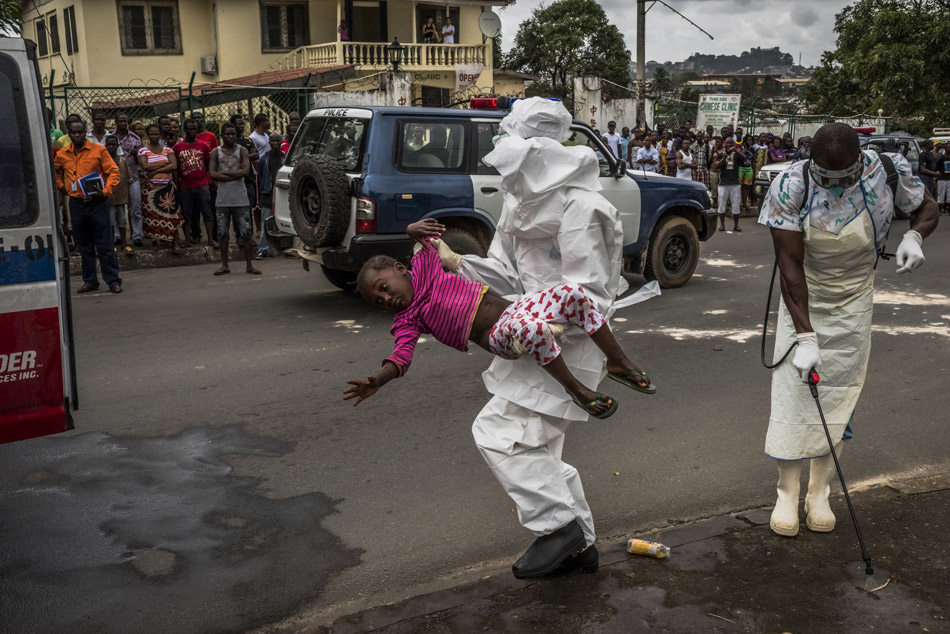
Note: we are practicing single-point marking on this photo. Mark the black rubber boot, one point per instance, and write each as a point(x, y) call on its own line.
point(587, 561)
point(548, 551)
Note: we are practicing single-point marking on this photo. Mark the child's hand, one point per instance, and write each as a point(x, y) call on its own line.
point(361, 390)
point(428, 228)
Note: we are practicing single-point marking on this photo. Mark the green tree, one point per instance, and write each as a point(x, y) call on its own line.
point(9, 17)
point(891, 55)
point(662, 82)
point(552, 44)
point(498, 56)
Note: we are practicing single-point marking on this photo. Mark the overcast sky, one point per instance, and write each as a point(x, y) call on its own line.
point(796, 26)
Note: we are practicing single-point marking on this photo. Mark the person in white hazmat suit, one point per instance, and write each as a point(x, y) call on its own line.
point(555, 228)
point(827, 241)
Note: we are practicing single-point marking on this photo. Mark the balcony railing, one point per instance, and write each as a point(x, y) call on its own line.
point(415, 57)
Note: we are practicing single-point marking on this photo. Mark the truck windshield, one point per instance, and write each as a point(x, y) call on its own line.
point(340, 138)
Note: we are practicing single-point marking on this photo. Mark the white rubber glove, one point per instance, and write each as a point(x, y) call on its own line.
point(451, 261)
point(807, 355)
point(910, 255)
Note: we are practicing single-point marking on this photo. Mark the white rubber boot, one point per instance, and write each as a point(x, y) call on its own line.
point(818, 515)
point(784, 520)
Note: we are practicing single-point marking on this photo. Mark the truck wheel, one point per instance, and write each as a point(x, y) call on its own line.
point(463, 242)
point(319, 201)
point(343, 280)
point(673, 253)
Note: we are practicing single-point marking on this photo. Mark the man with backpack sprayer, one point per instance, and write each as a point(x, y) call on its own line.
point(829, 217)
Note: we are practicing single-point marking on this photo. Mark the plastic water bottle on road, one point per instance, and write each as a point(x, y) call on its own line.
point(650, 549)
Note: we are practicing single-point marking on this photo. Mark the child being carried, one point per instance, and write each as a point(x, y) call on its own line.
point(427, 300)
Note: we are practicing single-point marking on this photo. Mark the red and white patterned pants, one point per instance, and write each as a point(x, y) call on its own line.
point(523, 327)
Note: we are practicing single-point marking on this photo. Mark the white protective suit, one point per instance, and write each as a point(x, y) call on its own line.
point(555, 227)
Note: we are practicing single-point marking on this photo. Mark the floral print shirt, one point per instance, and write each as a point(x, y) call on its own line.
point(785, 205)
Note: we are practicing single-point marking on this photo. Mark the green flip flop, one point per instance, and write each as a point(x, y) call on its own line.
point(591, 407)
point(627, 378)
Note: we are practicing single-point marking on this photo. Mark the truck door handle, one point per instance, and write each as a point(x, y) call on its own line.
point(489, 190)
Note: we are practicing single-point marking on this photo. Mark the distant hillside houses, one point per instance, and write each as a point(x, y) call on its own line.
point(757, 60)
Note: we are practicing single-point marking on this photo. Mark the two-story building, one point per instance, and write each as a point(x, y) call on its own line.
point(161, 42)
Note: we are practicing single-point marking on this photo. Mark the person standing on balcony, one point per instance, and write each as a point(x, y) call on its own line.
point(430, 35)
point(448, 31)
point(343, 31)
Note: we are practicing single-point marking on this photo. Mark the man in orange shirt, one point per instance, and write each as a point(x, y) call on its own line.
point(89, 205)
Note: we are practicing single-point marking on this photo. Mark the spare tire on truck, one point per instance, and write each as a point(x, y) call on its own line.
point(319, 201)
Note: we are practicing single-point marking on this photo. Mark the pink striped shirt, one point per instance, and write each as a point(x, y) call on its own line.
point(443, 304)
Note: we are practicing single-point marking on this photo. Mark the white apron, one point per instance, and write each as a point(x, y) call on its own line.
point(840, 275)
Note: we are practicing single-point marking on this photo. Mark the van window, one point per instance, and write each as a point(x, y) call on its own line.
point(19, 206)
point(431, 146)
point(340, 138)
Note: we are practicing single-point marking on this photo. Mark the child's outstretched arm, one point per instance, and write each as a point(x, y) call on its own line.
point(395, 365)
point(362, 390)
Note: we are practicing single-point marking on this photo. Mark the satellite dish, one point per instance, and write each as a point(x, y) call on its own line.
point(489, 24)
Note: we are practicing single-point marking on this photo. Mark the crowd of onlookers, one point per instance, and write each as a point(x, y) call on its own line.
point(165, 181)
point(728, 162)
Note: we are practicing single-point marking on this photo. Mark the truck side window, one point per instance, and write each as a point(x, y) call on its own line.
point(19, 205)
point(582, 137)
point(431, 146)
point(485, 132)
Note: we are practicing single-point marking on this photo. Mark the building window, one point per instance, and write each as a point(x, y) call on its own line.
point(149, 27)
point(69, 26)
point(52, 25)
point(284, 26)
point(42, 43)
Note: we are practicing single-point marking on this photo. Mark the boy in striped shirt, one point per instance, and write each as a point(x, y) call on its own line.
point(455, 310)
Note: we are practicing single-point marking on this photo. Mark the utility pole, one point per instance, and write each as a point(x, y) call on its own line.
point(641, 52)
point(642, 62)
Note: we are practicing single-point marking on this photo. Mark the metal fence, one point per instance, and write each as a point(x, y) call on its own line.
point(148, 103)
point(674, 113)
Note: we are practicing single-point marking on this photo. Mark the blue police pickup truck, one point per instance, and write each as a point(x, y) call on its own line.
point(355, 178)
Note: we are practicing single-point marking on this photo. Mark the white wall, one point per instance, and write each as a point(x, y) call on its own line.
point(588, 95)
point(395, 87)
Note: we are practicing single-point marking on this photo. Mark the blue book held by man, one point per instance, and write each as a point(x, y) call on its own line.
point(91, 184)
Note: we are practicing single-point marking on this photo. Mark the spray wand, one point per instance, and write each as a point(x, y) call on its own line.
point(813, 380)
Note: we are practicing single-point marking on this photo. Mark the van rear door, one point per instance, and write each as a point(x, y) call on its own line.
point(37, 370)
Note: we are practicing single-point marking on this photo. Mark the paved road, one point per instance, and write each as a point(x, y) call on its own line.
point(215, 470)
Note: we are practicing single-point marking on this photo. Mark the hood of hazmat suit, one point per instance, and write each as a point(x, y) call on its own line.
point(555, 228)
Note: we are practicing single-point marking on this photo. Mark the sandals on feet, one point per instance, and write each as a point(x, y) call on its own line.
point(253, 271)
point(630, 380)
point(591, 408)
point(222, 271)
